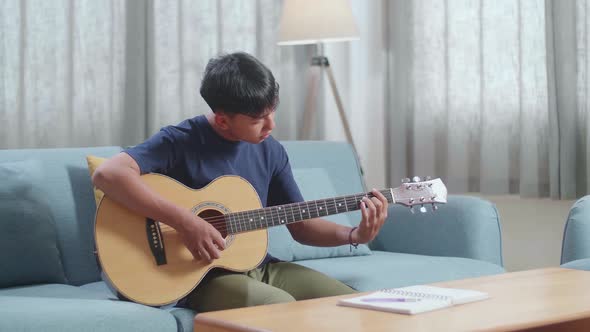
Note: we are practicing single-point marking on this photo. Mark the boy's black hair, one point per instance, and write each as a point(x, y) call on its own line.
point(238, 83)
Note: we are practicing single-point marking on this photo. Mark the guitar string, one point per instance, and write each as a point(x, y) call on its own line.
point(288, 209)
point(243, 225)
point(291, 208)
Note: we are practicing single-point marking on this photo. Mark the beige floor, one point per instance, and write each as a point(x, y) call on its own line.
point(532, 230)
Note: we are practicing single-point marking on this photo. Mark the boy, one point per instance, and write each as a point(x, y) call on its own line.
point(233, 139)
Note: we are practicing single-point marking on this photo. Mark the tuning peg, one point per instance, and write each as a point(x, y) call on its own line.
point(416, 179)
point(412, 210)
point(406, 180)
point(422, 209)
point(434, 207)
point(428, 178)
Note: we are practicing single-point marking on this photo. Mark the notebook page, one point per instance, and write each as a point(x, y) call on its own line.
point(454, 295)
point(384, 301)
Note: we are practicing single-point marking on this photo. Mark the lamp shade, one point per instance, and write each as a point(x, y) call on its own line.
point(315, 21)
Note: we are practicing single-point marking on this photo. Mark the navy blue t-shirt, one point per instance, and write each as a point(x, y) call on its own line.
point(194, 154)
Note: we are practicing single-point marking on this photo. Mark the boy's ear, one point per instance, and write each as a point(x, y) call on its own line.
point(221, 120)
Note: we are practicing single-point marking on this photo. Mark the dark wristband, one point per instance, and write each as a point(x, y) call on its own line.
point(352, 244)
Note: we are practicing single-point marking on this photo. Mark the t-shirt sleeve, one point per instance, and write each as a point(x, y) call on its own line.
point(161, 152)
point(283, 189)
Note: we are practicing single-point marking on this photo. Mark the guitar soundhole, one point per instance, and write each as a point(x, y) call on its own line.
point(216, 219)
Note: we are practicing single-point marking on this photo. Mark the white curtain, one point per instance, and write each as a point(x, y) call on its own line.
point(469, 95)
point(490, 95)
point(570, 72)
point(85, 72)
point(456, 89)
point(63, 73)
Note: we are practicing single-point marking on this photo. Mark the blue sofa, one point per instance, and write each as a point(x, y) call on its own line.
point(575, 251)
point(50, 280)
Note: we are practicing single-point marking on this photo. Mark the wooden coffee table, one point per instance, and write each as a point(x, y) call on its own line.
point(552, 299)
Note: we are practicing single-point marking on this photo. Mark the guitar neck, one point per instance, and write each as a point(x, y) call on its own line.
point(245, 221)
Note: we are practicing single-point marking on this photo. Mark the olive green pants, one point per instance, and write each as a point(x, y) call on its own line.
point(274, 283)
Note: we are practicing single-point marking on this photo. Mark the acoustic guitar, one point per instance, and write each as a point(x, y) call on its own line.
point(147, 262)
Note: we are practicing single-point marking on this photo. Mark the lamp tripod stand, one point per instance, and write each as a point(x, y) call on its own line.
point(319, 64)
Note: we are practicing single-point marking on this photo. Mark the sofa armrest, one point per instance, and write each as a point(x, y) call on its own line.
point(576, 235)
point(464, 227)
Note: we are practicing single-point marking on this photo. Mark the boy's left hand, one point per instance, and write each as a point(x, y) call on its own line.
point(374, 213)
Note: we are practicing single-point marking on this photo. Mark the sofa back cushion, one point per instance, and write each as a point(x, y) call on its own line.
point(314, 183)
point(321, 170)
point(65, 181)
point(29, 252)
point(336, 158)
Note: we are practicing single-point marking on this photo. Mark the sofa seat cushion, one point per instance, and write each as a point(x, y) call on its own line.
point(100, 287)
point(184, 318)
point(387, 270)
point(57, 291)
point(580, 264)
point(92, 291)
point(19, 313)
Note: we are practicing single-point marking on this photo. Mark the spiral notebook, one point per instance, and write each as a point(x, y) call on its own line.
point(414, 299)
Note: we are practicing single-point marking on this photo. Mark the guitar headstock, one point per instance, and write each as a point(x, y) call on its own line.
point(416, 192)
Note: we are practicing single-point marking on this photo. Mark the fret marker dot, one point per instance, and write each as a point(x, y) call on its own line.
point(250, 219)
point(261, 218)
point(320, 207)
point(279, 208)
point(282, 220)
point(303, 211)
point(339, 204)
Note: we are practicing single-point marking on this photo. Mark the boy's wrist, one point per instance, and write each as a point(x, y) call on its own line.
point(353, 238)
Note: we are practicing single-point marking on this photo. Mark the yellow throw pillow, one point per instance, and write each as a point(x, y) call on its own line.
point(93, 163)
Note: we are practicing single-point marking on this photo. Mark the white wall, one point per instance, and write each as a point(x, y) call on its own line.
point(532, 230)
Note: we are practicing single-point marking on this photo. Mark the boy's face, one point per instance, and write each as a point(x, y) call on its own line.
point(250, 129)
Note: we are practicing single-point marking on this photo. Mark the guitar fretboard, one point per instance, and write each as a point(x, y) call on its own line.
point(245, 221)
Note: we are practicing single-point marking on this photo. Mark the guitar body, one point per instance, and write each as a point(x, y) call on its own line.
point(147, 261)
point(125, 240)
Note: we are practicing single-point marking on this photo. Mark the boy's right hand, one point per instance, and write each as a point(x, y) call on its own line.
point(201, 238)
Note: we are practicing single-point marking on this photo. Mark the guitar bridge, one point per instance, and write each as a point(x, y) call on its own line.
point(155, 241)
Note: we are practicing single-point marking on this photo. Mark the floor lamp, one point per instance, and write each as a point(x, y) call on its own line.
point(318, 22)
